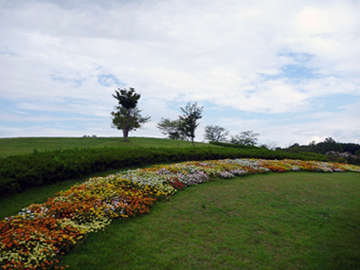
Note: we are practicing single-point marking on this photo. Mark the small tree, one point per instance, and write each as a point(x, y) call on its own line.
point(171, 128)
point(245, 138)
point(271, 145)
point(127, 116)
point(328, 145)
point(215, 134)
point(188, 120)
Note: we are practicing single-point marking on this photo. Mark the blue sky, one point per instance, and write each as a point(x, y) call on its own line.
point(288, 70)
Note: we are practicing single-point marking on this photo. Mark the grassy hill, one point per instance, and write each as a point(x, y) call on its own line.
point(275, 221)
point(28, 162)
point(17, 146)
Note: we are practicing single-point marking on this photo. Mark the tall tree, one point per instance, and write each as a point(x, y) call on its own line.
point(191, 113)
point(245, 138)
point(215, 134)
point(171, 128)
point(127, 116)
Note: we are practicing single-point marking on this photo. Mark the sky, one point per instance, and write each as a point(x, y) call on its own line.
point(288, 70)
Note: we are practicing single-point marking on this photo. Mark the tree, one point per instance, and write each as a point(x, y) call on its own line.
point(127, 116)
point(188, 121)
point(215, 134)
point(270, 145)
point(245, 138)
point(171, 128)
point(329, 144)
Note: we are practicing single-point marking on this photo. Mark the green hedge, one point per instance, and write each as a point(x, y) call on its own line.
point(234, 145)
point(300, 155)
point(18, 173)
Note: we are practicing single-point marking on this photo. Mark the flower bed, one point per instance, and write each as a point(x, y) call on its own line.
point(35, 237)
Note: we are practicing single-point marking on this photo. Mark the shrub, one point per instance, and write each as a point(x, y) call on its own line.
point(21, 172)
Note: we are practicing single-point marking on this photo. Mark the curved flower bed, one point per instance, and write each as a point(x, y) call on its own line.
point(35, 237)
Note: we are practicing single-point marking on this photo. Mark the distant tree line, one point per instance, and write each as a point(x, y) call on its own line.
point(347, 152)
point(127, 117)
point(329, 144)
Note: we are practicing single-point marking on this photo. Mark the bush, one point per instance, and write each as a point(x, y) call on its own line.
point(21, 172)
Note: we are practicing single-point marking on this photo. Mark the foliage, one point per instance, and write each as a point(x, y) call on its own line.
point(34, 237)
point(21, 172)
point(21, 146)
point(127, 98)
point(191, 113)
point(215, 133)
point(128, 120)
point(329, 146)
point(171, 128)
point(127, 116)
point(245, 138)
point(184, 127)
point(271, 145)
point(278, 154)
point(233, 145)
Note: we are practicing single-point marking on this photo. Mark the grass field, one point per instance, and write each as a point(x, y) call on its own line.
point(277, 221)
point(12, 204)
point(17, 146)
point(297, 220)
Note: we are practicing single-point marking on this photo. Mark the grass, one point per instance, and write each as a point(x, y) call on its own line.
point(276, 221)
point(17, 146)
point(12, 204)
point(293, 220)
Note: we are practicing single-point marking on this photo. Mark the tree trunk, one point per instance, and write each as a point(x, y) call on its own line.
point(192, 140)
point(125, 134)
point(126, 129)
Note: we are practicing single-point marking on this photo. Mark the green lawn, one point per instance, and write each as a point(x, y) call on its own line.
point(12, 204)
point(277, 221)
point(298, 220)
point(17, 146)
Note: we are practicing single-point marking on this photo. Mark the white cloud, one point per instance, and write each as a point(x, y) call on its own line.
point(231, 54)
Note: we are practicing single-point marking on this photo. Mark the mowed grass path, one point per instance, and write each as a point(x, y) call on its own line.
point(18, 146)
point(292, 220)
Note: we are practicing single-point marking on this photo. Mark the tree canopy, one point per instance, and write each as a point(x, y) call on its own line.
point(184, 127)
point(245, 138)
point(127, 98)
point(171, 128)
point(215, 134)
point(127, 116)
point(191, 113)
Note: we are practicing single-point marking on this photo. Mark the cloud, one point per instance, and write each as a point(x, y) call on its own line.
point(108, 80)
point(260, 58)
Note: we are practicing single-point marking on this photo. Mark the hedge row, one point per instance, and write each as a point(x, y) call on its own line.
point(18, 173)
point(234, 145)
point(301, 155)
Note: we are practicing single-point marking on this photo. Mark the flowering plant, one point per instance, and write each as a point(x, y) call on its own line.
point(35, 237)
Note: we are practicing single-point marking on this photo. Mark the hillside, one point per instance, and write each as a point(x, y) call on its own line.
point(17, 146)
